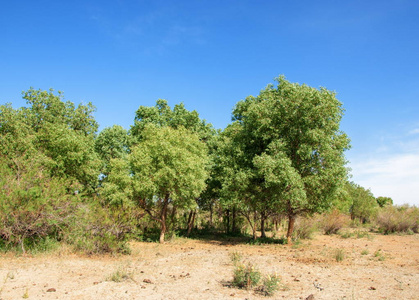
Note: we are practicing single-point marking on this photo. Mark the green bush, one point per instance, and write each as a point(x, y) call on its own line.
point(34, 208)
point(102, 229)
point(270, 284)
point(235, 257)
point(246, 276)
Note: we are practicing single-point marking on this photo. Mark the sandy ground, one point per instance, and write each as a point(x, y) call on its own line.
point(374, 267)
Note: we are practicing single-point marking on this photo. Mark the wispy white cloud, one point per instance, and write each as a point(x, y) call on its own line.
point(392, 173)
point(414, 131)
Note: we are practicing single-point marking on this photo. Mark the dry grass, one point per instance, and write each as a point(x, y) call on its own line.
point(203, 269)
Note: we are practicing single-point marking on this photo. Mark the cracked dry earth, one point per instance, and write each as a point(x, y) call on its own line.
point(374, 267)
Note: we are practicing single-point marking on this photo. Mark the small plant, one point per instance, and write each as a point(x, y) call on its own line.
point(361, 234)
point(364, 252)
point(346, 234)
point(10, 275)
point(339, 255)
point(235, 257)
point(270, 285)
point(246, 276)
point(26, 294)
point(379, 255)
point(121, 274)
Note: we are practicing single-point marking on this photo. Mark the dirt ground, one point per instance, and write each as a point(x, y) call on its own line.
point(374, 267)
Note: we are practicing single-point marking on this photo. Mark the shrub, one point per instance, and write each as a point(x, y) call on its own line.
point(364, 205)
point(393, 219)
point(339, 255)
point(270, 285)
point(365, 252)
point(332, 222)
point(121, 274)
point(33, 206)
point(235, 257)
point(379, 255)
point(304, 228)
point(102, 229)
point(246, 276)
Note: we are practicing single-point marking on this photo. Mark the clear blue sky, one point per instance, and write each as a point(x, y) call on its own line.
point(210, 54)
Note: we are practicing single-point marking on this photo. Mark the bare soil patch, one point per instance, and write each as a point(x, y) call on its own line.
point(373, 267)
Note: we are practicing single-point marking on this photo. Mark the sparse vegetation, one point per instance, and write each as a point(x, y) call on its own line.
point(270, 284)
point(332, 222)
point(26, 294)
point(379, 255)
point(246, 276)
point(305, 228)
point(235, 257)
point(121, 274)
point(339, 255)
point(400, 219)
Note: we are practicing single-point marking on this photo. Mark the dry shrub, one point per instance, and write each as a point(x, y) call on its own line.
point(34, 207)
point(393, 219)
point(102, 229)
point(333, 221)
point(304, 228)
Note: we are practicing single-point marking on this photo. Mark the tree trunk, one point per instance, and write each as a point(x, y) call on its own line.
point(228, 221)
point(291, 222)
point(191, 221)
point(262, 225)
point(162, 232)
point(189, 218)
point(163, 218)
point(254, 227)
point(173, 218)
point(234, 224)
point(211, 213)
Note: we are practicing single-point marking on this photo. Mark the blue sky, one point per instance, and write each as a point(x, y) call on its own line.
point(210, 54)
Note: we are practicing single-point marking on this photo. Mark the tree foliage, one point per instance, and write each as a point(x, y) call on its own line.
point(46, 158)
point(364, 205)
point(283, 154)
point(384, 201)
point(161, 115)
point(167, 167)
point(289, 148)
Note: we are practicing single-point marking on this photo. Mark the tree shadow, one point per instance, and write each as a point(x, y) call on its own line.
point(231, 239)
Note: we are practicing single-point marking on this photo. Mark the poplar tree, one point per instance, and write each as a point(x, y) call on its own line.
point(291, 149)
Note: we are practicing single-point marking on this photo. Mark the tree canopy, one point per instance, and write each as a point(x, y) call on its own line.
point(282, 155)
point(290, 148)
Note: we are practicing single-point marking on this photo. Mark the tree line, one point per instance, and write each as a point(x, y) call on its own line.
point(281, 156)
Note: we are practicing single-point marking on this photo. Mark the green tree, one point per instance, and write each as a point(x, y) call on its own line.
point(291, 148)
point(112, 143)
point(161, 115)
point(364, 205)
point(65, 134)
point(168, 167)
point(384, 201)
